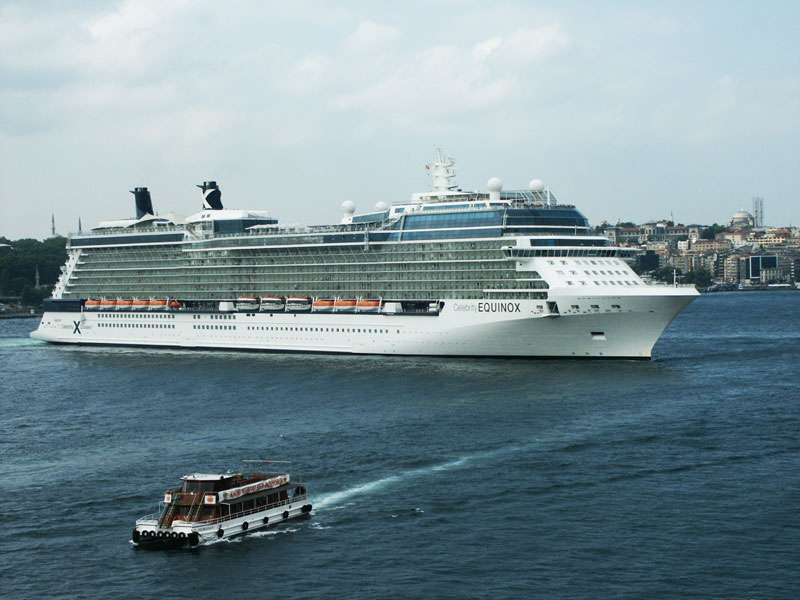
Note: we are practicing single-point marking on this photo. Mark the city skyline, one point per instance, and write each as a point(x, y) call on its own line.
point(628, 112)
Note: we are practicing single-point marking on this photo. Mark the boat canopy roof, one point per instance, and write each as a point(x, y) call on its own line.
point(209, 476)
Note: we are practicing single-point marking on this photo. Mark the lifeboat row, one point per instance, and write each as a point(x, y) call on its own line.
point(131, 304)
point(345, 305)
point(304, 303)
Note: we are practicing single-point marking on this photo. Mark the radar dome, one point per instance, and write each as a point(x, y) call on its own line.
point(381, 206)
point(494, 184)
point(537, 185)
point(348, 207)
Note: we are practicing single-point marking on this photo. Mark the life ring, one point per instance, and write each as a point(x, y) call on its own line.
point(286, 514)
point(220, 532)
point(245, 525)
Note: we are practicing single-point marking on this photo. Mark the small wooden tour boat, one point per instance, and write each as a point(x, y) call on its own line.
point(213, 506)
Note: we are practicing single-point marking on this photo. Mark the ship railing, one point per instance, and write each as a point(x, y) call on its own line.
point(129, 230)
point(257, 509)
point(298, 498)
point(151, 517)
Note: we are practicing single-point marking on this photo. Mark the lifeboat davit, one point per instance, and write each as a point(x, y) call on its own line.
point(157, 304)
point(107, 304)
point(344, 305)
point(124, 303)
point(364, 305)
point(138, 304)
point(321, 305)
point(91, 304)
point(271, 303)
point(298, 303)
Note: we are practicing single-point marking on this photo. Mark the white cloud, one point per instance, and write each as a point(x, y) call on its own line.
point(180, 86)
point(370, 36)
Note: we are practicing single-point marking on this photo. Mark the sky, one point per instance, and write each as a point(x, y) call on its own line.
point(631, 111)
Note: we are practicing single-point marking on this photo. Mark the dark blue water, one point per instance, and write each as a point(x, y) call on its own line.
point(431, 478)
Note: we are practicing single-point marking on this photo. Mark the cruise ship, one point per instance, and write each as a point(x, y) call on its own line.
point(451, 272)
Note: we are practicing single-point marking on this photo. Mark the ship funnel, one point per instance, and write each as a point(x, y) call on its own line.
point(144, 205)
point(212, 196)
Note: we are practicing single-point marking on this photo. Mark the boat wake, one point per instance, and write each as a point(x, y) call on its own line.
point(19, 342)
point(254, 534)
point(335, 500)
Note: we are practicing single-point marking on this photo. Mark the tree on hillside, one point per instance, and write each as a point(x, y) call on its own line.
point(18, 263)
point(710, 232)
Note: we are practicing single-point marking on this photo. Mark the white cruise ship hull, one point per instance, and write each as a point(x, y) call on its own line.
point(626, 325)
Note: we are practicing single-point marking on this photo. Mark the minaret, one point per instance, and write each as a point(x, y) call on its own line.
point(53, 224)
point(38, 283)
point(80, 230)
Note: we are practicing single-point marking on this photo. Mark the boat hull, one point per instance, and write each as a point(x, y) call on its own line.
point(147, 533)
point(569, 326)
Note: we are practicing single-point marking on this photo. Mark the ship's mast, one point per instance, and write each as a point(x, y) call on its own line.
point(443, 173)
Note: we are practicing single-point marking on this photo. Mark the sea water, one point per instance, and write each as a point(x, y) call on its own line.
point(430, 477)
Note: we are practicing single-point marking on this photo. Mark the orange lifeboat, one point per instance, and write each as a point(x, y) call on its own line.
point(157, 304)
point(91, 304)
point(343, 305)
point(106, 304)
point(124, 304)
point(364, 305)
point(137, 304)
point(321, 305)
point(175, 305)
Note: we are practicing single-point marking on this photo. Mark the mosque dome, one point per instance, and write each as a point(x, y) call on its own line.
point(742, 219)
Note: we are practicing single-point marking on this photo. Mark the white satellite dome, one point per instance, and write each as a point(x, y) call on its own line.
point(348, 207)
point(536, 185)
point(495, 184)
point(381, 206)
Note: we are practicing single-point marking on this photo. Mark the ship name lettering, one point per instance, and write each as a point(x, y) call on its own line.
point(506, 307)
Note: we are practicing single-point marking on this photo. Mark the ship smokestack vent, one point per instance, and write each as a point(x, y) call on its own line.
point(212, 196)
point(144, 205)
